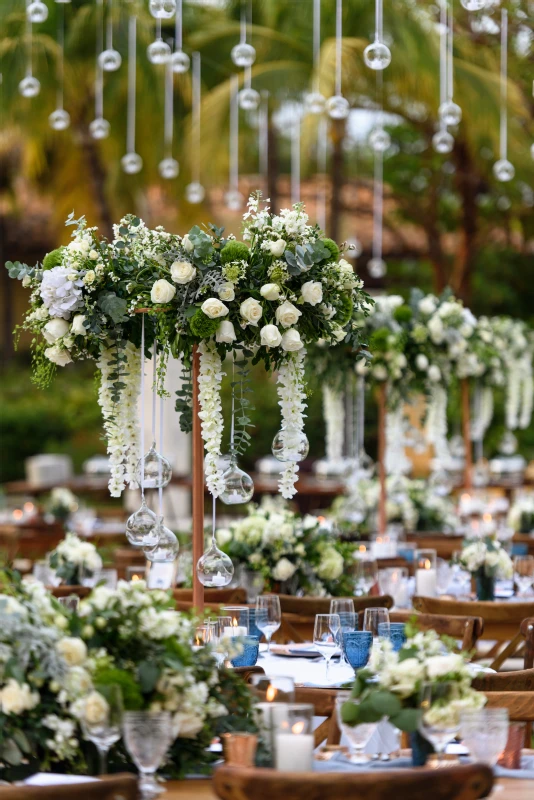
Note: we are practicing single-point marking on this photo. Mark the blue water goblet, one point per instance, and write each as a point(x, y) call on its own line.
point(249, 655)
point(397, 633)
point(252, 627)
point(357, 647)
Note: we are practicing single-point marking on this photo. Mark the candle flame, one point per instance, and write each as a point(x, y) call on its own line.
point(362, 548)
point(298, 727)
point(28, 507)
point(427, 564)
point(135, 578)
point(270, 694)
point(378, 539)
point(235, 622)
point(18, 513)
point(487, 517)
point(465, 498)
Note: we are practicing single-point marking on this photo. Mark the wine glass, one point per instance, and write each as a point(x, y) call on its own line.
point(89, 576)
point(357, 735)
point(147, 736)
point(484, 732)
point(443, 575)
point(440, 722)
point(102, 719)
point(268, 616)
point(221, 625)
point(376, 621)
point(366, 575)
point(344, 608)
point(524, 573)
point(325, 636)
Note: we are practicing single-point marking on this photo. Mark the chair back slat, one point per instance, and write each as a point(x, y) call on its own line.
point(298, 614)
point(501, 619)
point(235, 595)
point(466, 630)
point(521, 680)
point(113, 787)
point(527, 631)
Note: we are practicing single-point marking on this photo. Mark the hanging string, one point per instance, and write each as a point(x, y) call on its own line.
point(339, 41)
point(61, 54)
point(130, 129)
point(243, 24)
point(109, 27)
point(178, 26)
point(321, 171)
point(168, 110)
point(504, 84)
point(379, 21)
point(195, 115)
point(29, 44)
point(232, 425)
point(142, 407)
point(160, 449)
point(99, 72)
point(154, 390)
point(213, 522)
point(442, 51)
point(234, 134)
point(378, 187)
point(263, 140)
point(450, 70)
point(316, 41)
point(295, 158)
point(361, 418)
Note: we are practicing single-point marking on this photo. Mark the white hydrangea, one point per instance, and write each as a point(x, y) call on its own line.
point(61, 291)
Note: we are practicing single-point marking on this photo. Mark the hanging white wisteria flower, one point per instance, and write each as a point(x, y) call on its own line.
point(292, 402)
point(334, 417)
point(209, 395)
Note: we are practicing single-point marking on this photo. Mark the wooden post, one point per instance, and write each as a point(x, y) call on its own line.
point(466, 430)
point(198, 488)
point(382, 500)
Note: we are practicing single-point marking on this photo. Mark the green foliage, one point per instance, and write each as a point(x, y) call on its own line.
point(53, 259)
point(202, 326)
point(403, 314)
point(234, 251)
point(113, 676)
point(115, 307)
point(243, 392)
point(344, 311)
point(378, 341)
point(332, 247)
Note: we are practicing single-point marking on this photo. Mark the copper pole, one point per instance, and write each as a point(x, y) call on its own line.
point(198, 488)
point(466, 430)
point(382, 500)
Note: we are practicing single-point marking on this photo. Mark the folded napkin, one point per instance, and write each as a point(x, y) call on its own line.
point(55, 779)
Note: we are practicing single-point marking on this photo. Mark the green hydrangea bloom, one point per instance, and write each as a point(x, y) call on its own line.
point(202, 326)
point(344, 310)
point(53, 259)
point(234, 251)
point(332, 246)
point(403, 313)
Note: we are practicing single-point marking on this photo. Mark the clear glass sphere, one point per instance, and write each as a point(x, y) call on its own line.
point(379, 140)
point(248, 99)
point(132, 163)
point(141, 527)
point(59, 119)
point(450, 113)
point(166, 548)
point(99, 128)
point(503, 170)
point(29, 86)
point(473, 5)
point(377, 56)
point(457, 446)
point(290, 444)
point(440, 482)
point(158, 52)
point(354, 509)
point(337, 107)
point(157, 470)
point(37, 11)
point(194, 192)
point(110, 60)
point(238, 486)
point(504, 203)
point(169, 168)
point(180, 62)
point(243, 55)
point(315, 103)
point(215, 568)
point(508, 444)
point(234, 199)
point(162, 9)
point(377, 268)
point(442, 142)
point(481, 473)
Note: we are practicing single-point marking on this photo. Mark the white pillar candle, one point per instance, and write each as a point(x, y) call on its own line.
point(218, 580)
point(294, 753)
point(235, 630)
point(426, 582)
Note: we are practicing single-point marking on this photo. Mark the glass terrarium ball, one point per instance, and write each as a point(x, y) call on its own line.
point(158, 52)
point(503, 170)
point(180, 61)
point(194, 192)
point(457, 446)
point(315, 103)
point(166, 548)
point(132, 163)
point(141, 527)
point(215, 568)
point(442, 142)
point(337, 107)
point(450, 113)
point(248, 99)
point(59, 119)
point(377, 268)
point(290, 445)
point(508, 444)
point(243, 55)
point(162, 9)
point(37, 11)
point(440, 481)
point(168, 168)
point(379, 140)
point(377, 56)
point(238, 486)
point(234, 199)
point(473, 5)
point(110, 60)
point(29, 86)
point(157, 470)
point(99, 128)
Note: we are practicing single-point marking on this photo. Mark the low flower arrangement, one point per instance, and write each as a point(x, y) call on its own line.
point(486, 559)
point(71, 556)
point(521, 514)
point(61, 503)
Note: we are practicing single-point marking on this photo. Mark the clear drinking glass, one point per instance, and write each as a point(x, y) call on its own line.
point(89, 577)
point(374, 617)
point(71, 602)
point(219, 636)
point(344, 608)
point(523, 573)
point(108, 578)
point(439, 722)
point(268, 616)
point(325, 636)
point(357, 735)
point(443, 575)
point(107, 730)
point(147, 736)
point(366, 575)
point(485, 733)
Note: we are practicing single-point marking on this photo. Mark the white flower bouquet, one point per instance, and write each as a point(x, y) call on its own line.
point(61, 503)
point(72, 556)
point(486, 555)
point(521, 514)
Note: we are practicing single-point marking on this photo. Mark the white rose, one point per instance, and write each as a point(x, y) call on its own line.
point(162, 291)
point(89, 277)
point(380, 372)
point(26, 281)
point(251, 310)
point(427, 305)
point(55, 329)
point(435, 328)
point(338, 333)
point(187, 725)
point(434, 373)
point(271, 291)
point(284, 570)
point(58, 355)
point(213, 308)
point(291, 341)
point(287, 314)
point(312, 292)
point(225, 333)
point(15, 698)
point(270, 336)
point(73, 650)
point(182, 271)
point(437, 666)
point(362, 367)
point(227, 291)
point(93, 255)
point(96, 708)
point(421, 362)
point(187, 244)
point(277, 248)
point(77, 327)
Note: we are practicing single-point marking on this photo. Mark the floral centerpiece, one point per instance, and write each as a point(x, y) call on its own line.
point(521, 514)
point(485, 558)
point(71, 556)
point(61, 503)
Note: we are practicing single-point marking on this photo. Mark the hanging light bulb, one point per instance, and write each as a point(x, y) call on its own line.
point(162, 9)
point(238, 485)
point(215, 568)
point(473, 5)
point(337, 107)
point(158, 52)
point(29, 86)
point(168, 168)
point(166, 548)
point(180, 62)
point(442, 141)
point(315, 102)
point(243, 55)
point(249, 99)
point(377, 268)
point(37, 12)
point(141, 527)
point(290, 445)
point(59, 119)
point(379, 140)
point(99, 128)
point(132, 163)
point(503, 170)
point(157, 470)
point(194, 193)
point(110, 60)
point(450, 113)
point(377, 55)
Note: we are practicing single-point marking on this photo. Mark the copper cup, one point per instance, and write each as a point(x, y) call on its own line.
point(239, 748)
point(511, 756)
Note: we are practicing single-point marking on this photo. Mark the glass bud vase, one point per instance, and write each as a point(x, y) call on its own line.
point(485, 585)
point(421, 749)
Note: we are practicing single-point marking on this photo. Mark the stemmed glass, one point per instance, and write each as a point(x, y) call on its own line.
point(221, 652)
point(103, 729)
point(268, 616)
point(344, 608)
point(440, 723)
point(366, 575)
point(485, 732)
point(357, 735)
point(325, 636)
point(443, 576)
point(376, 621)
point(524, 573)
point(147, 736)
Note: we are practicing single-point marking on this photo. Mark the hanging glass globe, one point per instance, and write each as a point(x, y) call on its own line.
point(473, 5)
point(168, 168)
point(337, 107)
point(166, 548)
point(481, 473)
point(290, 444)
point(440, 481)
point(442, 142)
point(238, 486)
point(215, 568)
point(99, 128)
point(158, 52)
point(110, 60)
point(450, 113)
point(508, 444)
point(29, 86)
point(234, 199)
point(59, 119)
point(457, 446)
point(366, 465)
point(248, 99)
point(503, 170)
point(377, 268)
point(132, 163)
point(157, 470)
point(377, 55)
point(37, 12)
point(194, 193)
point(354, 509)
point(180, 62)
point(243, 55)
point(162, 9)
point(141, 527)
point(315, 103)
point(532, 150)
point(379, 140)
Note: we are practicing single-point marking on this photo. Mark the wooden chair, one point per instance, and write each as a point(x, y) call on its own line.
point(521, 680)
point(67, 591)
point(527, 631)
point(465, 629)
point(235, 596)
point(298, 614)
point(444, 546)
point(324, 703)
point(128, 557)
point(247, 672)
point(250, 783)
point(520, 707)
point(123, 786)
point(521, 645)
